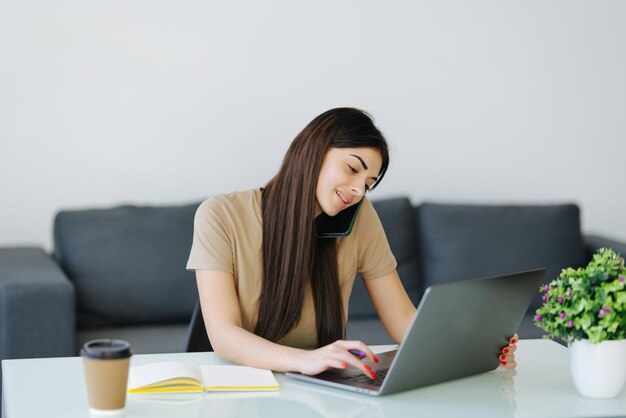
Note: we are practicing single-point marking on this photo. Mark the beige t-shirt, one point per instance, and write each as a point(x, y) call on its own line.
point(227, 237)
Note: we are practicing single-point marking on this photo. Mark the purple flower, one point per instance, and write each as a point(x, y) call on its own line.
point(601, 313)
point(546, 288)
point(545, 298)
point(570, 323)
point(607, 309)
point(562, 315)
point(560, 299)
point(538, 318)
point(568, 293)
point(621, 279)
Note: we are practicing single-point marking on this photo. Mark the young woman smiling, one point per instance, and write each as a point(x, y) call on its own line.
point(273, 294)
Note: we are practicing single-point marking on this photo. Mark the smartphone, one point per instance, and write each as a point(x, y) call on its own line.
point(339, 225)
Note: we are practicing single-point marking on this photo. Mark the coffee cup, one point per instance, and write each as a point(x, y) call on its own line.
point(106, 364)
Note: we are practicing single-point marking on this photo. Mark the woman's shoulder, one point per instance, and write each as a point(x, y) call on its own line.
point(367, 222)
point(366, 211)
point(240, 202)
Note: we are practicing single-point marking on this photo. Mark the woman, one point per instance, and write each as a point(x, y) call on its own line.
point(275, 296)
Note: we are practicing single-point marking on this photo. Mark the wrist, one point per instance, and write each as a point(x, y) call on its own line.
point(298, 360)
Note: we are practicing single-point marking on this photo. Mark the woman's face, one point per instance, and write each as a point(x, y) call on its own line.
point(345, 176)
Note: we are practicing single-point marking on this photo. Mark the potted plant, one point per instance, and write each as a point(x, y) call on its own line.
point(586, 307)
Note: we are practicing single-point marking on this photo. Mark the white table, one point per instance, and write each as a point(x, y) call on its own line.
point(541, 387)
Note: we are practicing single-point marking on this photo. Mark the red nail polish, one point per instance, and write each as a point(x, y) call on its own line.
point(506, 350)
point(368, 368)
point(513, 340)
point(374, 375)
point(503, 363)
point(502, 357)
point(344, 365)
point(375, 359)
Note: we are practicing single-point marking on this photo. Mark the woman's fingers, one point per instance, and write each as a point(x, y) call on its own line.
point(508, 364)
point(509, 349)
point(353, 352)
point(507, 357)
point(358, 349)
point(329, 357)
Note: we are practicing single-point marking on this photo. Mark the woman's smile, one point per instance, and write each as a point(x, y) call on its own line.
point(342, 200)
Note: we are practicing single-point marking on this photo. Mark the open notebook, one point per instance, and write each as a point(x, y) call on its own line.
point(173, 376)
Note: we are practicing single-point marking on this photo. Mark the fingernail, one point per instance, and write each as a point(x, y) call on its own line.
point(513, 340)
point(503, 363)
point(374, 375)
point(375, 359)
point(502, 357)
point(506, 350)
point(368, 368)
point(344, 365)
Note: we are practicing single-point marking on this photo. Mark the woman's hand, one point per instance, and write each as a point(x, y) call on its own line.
point(507, 358)
point(338, 356)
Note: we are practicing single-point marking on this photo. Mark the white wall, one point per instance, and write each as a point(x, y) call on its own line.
point(163, 101)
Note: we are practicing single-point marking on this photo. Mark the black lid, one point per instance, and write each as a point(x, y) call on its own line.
point(106, 349)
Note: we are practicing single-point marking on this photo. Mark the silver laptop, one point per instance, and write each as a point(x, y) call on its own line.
point(459, 330)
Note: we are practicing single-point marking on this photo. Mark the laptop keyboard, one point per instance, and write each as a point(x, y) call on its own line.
point(361, 378)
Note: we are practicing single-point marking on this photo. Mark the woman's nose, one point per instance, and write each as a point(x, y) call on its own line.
point(357, 191)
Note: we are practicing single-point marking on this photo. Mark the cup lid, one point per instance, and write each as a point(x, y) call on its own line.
point(106, 349)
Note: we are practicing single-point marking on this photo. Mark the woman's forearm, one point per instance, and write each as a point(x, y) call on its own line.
point(401, 325)
point(222, 318)
point(243, 347)
point(393, 305)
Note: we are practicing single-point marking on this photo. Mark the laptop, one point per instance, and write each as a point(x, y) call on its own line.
point(459, 330)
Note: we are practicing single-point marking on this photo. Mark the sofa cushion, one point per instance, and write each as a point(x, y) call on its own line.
point(143, 339)
point(128, 263)
point(468, 241)
point(398, 220)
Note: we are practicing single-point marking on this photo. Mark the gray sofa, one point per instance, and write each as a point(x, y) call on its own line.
point(120, 272)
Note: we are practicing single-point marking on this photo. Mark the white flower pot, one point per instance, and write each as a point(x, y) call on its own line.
point(598, 370)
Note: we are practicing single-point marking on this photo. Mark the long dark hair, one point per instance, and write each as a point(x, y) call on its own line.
point(292, 255)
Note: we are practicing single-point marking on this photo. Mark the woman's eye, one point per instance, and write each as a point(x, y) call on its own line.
point(352, 169)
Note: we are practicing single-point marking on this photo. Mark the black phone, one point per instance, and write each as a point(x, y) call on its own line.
point(339, 225)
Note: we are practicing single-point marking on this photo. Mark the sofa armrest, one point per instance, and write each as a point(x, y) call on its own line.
point(594, 242)
point(37, 306)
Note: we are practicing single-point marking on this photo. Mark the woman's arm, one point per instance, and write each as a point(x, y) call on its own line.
point(392, 304)
point(222, 318)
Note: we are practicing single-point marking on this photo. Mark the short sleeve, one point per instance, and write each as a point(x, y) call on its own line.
point(375, 258)
point(212, 243)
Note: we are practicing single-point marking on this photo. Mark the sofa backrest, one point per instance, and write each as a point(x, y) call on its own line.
point(128, 263)
point(460, 242)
